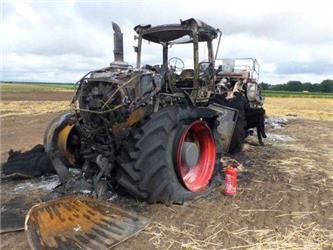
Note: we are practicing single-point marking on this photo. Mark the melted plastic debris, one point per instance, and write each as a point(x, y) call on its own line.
point(113, 197)
point(278, 138)
point(45, 183)
point(75, 185)
point(276, 122)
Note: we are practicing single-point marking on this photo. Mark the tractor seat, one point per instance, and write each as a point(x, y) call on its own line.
point(187, 75)
point(185, 79)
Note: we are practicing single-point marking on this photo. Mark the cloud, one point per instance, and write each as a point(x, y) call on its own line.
point(304, 68)
point(306, 23)
point(51, 31)
point(62, 68)
point(60, 41)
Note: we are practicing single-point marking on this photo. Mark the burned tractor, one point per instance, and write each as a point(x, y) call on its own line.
point(157, 131)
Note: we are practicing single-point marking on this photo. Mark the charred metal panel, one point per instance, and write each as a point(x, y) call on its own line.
point(227, 119)
point(13, 211)
point(79, 222)
point(145, 85)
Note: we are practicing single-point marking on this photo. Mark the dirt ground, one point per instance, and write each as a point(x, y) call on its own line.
point(285, 195)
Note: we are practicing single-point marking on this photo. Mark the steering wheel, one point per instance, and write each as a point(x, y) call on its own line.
point(176, 64)
point(206, 68)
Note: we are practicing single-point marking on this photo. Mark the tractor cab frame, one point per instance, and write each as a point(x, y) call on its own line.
point(200, 80)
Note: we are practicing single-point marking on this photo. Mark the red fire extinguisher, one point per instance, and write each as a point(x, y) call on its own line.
point(230, 181)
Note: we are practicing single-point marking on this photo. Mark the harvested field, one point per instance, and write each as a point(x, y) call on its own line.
point(17, 108)
point(305, 108)
point(28, 88)
point(285, 196)
point(288, 94)
point(38, 103)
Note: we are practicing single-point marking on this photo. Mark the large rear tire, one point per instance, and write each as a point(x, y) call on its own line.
point(148, 159)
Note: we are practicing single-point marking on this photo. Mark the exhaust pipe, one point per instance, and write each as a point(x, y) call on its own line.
point(118, 43)
point(118, 52)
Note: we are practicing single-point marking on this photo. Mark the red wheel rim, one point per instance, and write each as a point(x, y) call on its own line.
point(197, 176)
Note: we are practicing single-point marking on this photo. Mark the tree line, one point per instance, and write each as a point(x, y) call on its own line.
point(325, 86)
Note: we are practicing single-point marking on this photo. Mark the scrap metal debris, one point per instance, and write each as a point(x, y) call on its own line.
point(14, 210)
point(80, 222)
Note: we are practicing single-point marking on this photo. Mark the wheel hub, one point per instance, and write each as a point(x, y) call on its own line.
point(190, 153)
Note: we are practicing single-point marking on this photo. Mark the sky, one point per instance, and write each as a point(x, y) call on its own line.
point(60, 41)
